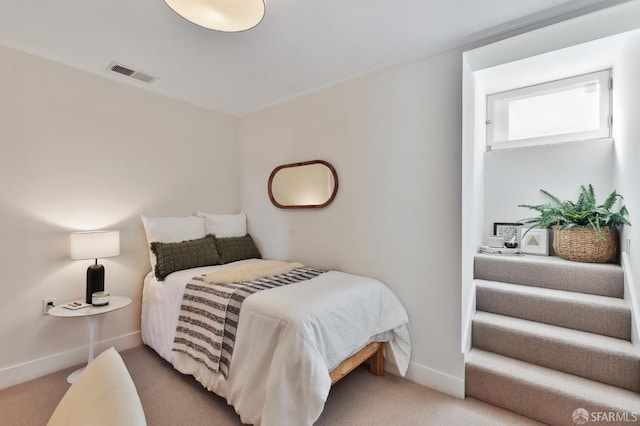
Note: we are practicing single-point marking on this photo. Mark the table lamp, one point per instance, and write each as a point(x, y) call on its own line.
point(94, 245)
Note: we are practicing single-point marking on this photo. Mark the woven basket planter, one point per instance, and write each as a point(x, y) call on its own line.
point(582, 244)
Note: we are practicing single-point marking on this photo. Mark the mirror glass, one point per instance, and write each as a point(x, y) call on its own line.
point(303, 185)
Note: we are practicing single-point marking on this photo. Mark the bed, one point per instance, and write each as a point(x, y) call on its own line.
point(292, 341)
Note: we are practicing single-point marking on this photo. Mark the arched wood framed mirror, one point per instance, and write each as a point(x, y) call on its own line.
point(310, 184)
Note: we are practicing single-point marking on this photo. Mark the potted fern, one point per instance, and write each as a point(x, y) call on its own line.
point(583, 231)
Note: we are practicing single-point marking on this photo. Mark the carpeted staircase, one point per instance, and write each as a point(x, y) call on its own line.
point(550, 337)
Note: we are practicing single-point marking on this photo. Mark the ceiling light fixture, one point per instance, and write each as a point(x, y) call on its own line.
point(220, 15)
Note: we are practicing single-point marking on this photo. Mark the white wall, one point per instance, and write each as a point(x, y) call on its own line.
point(596, 41)
point(515, 176)
point(395, 141)
point(473, 122)
point(627, 155)
point(81, 152)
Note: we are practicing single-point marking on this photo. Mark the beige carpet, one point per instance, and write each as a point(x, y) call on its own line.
point(170, 398)
point(551, 336)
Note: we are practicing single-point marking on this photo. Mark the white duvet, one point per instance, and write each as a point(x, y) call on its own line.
point(289, 339)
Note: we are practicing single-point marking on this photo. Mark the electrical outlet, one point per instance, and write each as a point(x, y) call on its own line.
point(628, 245)
point(47, 304)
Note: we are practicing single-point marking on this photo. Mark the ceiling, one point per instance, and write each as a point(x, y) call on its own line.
point(300, 46)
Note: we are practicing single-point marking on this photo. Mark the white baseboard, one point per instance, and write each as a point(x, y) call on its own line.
point(468, 320)
point(437, 380)
point(631, 296)
point(29, 370)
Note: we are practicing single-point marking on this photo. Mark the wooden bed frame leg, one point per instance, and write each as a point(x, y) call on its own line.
point(373, 352)
point(376, 366)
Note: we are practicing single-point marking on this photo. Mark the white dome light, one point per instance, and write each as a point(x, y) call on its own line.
point(220, 15)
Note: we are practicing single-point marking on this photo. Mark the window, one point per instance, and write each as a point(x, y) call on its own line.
point(571, 109)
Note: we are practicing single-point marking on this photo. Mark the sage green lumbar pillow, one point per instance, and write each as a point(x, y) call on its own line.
point(237, 248)
point(172, 257)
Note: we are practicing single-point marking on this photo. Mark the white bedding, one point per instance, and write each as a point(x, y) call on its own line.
point(289, 339)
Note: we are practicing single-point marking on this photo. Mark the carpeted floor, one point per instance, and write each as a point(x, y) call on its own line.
point(170, 398)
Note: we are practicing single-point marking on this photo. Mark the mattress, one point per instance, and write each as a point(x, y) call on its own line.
point(289, 338)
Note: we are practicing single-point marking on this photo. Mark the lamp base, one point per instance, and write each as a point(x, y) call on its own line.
point(95, 280)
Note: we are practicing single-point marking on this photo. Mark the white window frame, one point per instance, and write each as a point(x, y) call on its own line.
point(496, 121)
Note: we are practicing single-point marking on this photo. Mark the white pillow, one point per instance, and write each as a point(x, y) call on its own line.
point(225, 225)
point(171, 230)
point(103, 395)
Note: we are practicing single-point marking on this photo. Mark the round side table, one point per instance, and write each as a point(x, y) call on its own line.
point(90, 313)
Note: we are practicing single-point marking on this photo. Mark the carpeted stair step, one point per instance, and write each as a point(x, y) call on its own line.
point(586, 312)
point(543, 394)
point(552, 272)
point(604, 359)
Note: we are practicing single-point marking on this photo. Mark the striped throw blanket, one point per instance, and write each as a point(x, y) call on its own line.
point(209, 315)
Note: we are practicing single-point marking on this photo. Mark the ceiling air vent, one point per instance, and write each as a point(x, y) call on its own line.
point(121, 69)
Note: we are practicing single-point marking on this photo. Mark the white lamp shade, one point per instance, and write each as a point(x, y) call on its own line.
point(220, 15)
point(95, 244)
